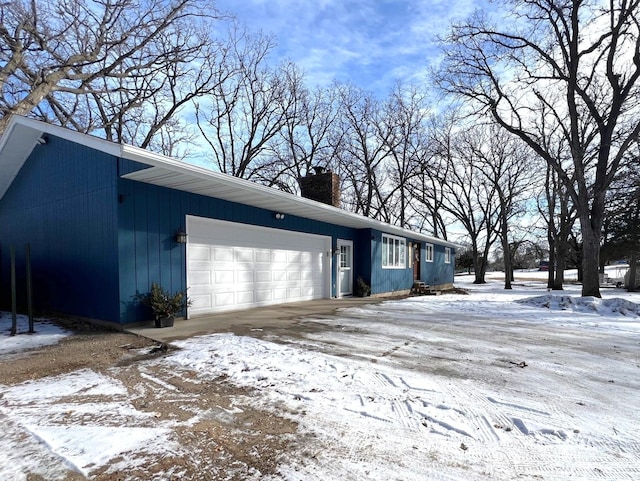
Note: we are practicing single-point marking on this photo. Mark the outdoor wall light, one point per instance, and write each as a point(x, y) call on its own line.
point(181, 237)
point(279, 215)
point(41, 141)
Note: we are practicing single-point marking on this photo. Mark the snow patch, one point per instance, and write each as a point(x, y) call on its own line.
point(603, 307)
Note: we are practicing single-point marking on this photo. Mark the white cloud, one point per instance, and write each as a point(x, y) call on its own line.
point(370, 42)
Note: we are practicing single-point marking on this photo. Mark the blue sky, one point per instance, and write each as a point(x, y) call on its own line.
point(368, 42)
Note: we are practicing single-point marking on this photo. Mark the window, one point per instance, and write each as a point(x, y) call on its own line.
point(344, 256)
point(428, 252)
point(393, 252)
point(447, 255)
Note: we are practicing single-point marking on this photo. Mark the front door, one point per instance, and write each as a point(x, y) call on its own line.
point(416, 262)
point(345, 268)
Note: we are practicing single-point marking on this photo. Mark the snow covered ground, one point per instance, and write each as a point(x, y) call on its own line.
point(46, 334)
point(500, 385)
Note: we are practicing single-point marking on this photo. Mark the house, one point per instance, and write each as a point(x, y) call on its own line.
point(105, 220)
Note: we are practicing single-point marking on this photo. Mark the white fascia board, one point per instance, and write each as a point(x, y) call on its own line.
point(19, 139)
point(249, 193)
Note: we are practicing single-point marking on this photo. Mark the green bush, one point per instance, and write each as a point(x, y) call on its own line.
point(163, 303)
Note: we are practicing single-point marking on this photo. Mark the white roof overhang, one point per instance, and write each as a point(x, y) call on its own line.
point(21, 136)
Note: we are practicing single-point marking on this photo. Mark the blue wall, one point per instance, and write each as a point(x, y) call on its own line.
point(98, 240)
point(387, 280)
point(436, 272)
point(63, 202)
point(149, 217)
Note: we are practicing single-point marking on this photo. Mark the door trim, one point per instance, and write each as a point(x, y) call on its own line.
point(340, 243)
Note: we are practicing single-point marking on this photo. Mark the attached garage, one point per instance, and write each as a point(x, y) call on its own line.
point(247, 245)
point(234, 266)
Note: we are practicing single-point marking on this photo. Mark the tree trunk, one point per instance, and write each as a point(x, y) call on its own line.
point(559, 263)
point(590, 259)
point(479, 266)
point(552, 260)
point(508, 267)
point(633, 263)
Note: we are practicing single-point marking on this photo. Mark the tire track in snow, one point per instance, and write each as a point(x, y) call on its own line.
point(566, 463)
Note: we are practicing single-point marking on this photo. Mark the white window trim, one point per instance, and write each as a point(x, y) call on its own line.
point(447, 255)
point(428, 252)
point(400, 256)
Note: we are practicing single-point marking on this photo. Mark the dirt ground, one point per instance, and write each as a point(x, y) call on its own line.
point(223, 446)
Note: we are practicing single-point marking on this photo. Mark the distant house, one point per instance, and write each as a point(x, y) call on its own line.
point(105, 220)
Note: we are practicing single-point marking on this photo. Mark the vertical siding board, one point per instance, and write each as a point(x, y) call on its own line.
point(154, 249)
point(140, 232)
point(126, 250)
point(169, 209)
point(174, 212)
point(99, 239)
point(64, 190)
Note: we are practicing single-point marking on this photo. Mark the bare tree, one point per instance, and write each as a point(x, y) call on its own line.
point(247, 108)
point(558, 213)
point(364, 152)
point(569, 67)
point(509, 169)
point(426, 187)
point(309, 138)
point(404, 131)
point(467, 194)
point(85, 63)
point(621, 238)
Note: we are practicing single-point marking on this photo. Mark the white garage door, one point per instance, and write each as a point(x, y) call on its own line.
point(235, 266)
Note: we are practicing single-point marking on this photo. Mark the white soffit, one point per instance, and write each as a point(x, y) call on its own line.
point(178, 175)
point(20, 137)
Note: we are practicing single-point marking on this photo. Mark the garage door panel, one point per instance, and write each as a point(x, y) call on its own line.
point(200, 278)
point(263, 255)
point(245, 297)
point(294, 292)
point(263, 276)
point(233, 266)
point(294, 257)
point(244, 277)
point(280, 294)
point(224, 299)
point(223, 254)
point(279, 257)
point(200, 301)
point(199, 253)
point(265, 295)
point(279, 275)
point(293, 275)
point(243, 254)
point(307, 291)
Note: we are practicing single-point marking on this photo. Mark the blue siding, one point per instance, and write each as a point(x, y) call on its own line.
point(436, 272)
point(98, 240)
point(387, 280)
point(149, 217)
point(362, 256)
point(63, 203)
point(442, 273)
point(390, 280)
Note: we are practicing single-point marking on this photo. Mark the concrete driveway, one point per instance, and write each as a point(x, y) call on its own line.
point(239, 322)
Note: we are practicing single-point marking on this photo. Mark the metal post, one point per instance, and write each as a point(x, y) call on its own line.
point(29, 291)
point(14, 316)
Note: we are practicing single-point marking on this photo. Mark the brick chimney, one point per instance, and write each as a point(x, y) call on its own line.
point(321, 186)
